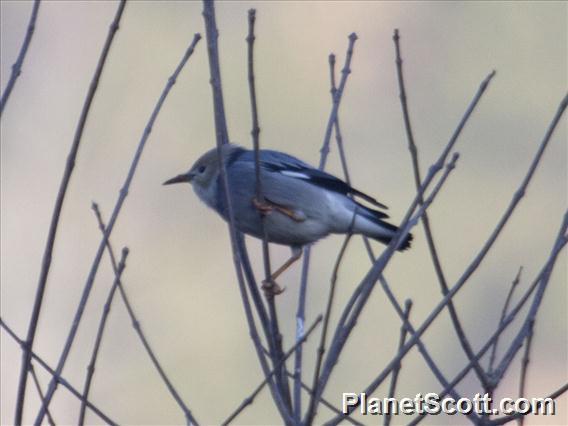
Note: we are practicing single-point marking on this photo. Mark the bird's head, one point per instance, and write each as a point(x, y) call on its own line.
point(204, 172)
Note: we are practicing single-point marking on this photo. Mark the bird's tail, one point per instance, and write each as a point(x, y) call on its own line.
point(370, 222)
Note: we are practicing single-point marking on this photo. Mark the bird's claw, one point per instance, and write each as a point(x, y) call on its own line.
point(263, 207)
point(271, 288)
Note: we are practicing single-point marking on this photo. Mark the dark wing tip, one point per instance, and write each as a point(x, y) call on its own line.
point(407, 243)
point(368, 198)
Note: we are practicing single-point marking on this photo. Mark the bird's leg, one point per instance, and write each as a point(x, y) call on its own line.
point(266, 207)
point(270, 286)
point(295, 215)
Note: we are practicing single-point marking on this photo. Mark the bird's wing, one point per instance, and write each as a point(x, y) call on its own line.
point(278, 162)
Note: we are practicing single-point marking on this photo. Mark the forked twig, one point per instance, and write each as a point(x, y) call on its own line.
point(421, 347)
point(324, 151)
point(486, 247)
point(136, 323)
point(114, 216)
point(60, 379)
point(464, 341)
point(102, 323)
point(222, 138)
point(355, 305)
point(558, 246)
point(250, 399)
point(526, 328)
point(48, 251)
point(514, 285)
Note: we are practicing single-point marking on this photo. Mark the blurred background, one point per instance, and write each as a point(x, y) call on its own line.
point(179, 274)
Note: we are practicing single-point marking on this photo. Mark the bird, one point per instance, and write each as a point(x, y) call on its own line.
point(300, 203)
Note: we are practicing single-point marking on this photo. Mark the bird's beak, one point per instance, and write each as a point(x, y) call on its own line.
point(185, 177)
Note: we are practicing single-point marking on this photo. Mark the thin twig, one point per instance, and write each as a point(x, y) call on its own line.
point(275, 335)
point(337, 100)
point(355, 305)
point(60, 379)
point(336, 127)
point(17, 66)
point(324, 151)
point(507, 419)
point(434, 169)
point(396, 370)
point(48, 251)
point(558, 246)
point(114, 216)
point(464, 341)
point(484, 250)
point(514, 285)
point(116, 267)
point(212, 36)
point(40, 393)
point(300, 320)
point(102, 323)
point(255, 133)
point(250, 399)
point(421, 347)
point(525, 364)
point(325, 402)
point(526, 328)
point(330, 299)
point(222, 138)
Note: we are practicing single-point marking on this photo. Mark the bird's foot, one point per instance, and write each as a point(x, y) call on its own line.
point(271, 288)
point(263, 207)
point(266, 207)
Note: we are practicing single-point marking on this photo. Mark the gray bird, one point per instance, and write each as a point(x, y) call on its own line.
point(302, 204)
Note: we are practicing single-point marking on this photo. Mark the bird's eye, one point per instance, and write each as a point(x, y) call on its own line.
point(201, 169)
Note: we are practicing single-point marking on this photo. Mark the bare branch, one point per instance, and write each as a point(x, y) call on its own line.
point(480, 256)
point(58, 377)
point(558, 246)
point(325, 402)
point(359, 298)
point(330, 299)
point(48, 251)
point(40, 393)
point(324, 151)
point(249, 400)
point(17, 66)
point(421, 347)
point(100, 331)
point(503, 314)
point(507, 419)
point(336, 127)
point(114, 216)
point(525, 364)
point(212, 35)
point(396, 370)
point(481, 375)
point(526, 329)
point(136, 323)
point(337, 100)
point(275, 335)
point(222, 138)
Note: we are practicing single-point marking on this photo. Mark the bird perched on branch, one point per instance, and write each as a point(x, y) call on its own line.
point(300, 204)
